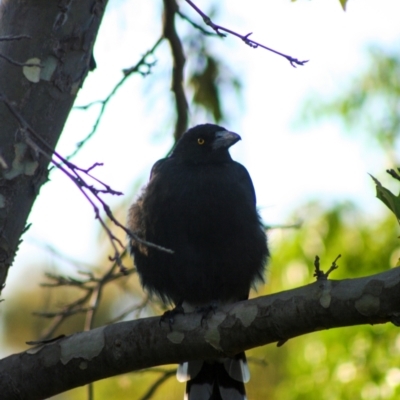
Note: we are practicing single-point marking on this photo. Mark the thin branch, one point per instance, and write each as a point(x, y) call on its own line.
point(219, 29)
point(19, 64)
point(87, 303)
point(296, 225)
point(60, 317)
point(56, 253)
point(153, 388)
point(137, 68)
point(78, 176)
point(64, 313)
point(89, 323)
point(321, 275)
point(195, 25)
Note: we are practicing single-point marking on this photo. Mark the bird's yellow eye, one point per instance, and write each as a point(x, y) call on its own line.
point(200, 140)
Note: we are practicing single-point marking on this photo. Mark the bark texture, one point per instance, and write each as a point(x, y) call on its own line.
point(85, 357)
point(57, 51)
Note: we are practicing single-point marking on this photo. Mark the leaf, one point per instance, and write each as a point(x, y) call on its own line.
point(206, 89)
point(387, 197)
point(343, 3)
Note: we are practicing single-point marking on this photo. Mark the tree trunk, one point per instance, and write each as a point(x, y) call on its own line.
point(58, 36)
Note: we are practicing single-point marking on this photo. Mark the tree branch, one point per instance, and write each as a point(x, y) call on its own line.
point(88, 302)
point(52, 368)
point(79, 176)
point(181, 105)
point(142, 67)
point(218, 29)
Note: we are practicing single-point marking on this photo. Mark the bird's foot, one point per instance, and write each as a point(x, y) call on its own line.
point(169, 316)
point(206, 310)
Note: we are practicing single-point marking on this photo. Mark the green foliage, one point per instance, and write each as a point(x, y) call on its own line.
point(371, 103)
point(343, 3)
point(208, 77)
point(360, 362)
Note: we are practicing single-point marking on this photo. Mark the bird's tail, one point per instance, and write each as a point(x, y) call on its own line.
point(221, 379)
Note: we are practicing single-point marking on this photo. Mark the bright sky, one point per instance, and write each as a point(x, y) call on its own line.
point(288, 166)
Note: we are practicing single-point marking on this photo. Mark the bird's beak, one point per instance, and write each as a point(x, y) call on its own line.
point(225, 139)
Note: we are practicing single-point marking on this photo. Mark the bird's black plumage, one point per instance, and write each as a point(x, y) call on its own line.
point(201, 204)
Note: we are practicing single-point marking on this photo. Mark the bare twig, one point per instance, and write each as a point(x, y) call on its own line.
point(87, 303)
point(195, 25)
point(56, 253)
point(321, 275)
point(153, 388)
point(296, 225)
point(137, 68)
point(89, 321)
point(73, 308)
point(246, 38)
point(262, 362)
point(79, 177)
point(64, 313)
point(36, 342)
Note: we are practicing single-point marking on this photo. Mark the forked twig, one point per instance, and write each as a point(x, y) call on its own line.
point(246, 38)
point(79, 176)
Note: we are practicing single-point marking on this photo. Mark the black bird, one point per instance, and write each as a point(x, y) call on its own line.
point(201, 204)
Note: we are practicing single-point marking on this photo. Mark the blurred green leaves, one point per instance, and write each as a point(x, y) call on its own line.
point(362, 362)
point(343, 3)
point(206, 93)
point(371, 102)
point(209, 78)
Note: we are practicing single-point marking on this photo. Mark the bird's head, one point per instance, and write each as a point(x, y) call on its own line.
point(205, 143)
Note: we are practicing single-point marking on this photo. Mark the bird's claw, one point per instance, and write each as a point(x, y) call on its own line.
point(206, 310)
point(169, 316)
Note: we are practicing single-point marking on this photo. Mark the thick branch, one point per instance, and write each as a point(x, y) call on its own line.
point(142, 67)
point(181, 105)
point(128, 346)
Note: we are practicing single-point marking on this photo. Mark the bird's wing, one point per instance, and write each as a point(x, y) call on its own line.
point(243, 177)
point(136, 217)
